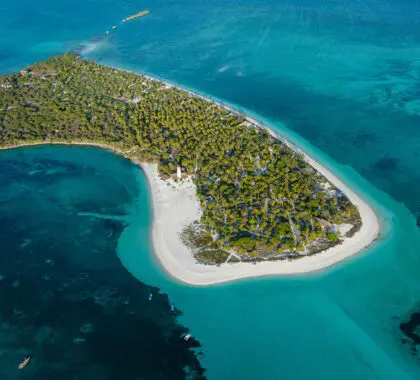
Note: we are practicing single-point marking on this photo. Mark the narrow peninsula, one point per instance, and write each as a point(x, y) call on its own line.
point(136, 15)
point(227, 192)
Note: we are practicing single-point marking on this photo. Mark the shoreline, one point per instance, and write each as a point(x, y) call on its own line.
point(175, 208)
point(201, 275)
point(175, 205)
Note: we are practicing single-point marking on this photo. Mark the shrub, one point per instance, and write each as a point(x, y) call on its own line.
point(332, 236)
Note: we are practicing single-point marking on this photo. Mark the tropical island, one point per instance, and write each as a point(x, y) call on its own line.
point(227, 192)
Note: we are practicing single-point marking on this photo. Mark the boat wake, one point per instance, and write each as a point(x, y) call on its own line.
point(86, 48)
point(223, 68)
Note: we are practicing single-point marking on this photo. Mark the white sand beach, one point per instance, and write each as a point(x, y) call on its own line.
point(175, 206)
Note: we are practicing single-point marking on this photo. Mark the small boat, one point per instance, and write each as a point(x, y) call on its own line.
point(150, 296)
point(172, 307)
point(187, 337)
point(114, 27)
point(24, 362)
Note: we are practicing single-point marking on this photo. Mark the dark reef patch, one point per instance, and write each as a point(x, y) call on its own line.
point(410, 329)
point(5, 54)
point(386, 164)
point(65, 298)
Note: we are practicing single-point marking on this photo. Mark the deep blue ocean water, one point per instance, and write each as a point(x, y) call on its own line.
point(342, 81)
point(65, 298)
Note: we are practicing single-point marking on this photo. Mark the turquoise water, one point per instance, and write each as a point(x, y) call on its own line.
point(339, 79)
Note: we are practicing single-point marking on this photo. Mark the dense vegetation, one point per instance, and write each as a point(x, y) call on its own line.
point(259, 198)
